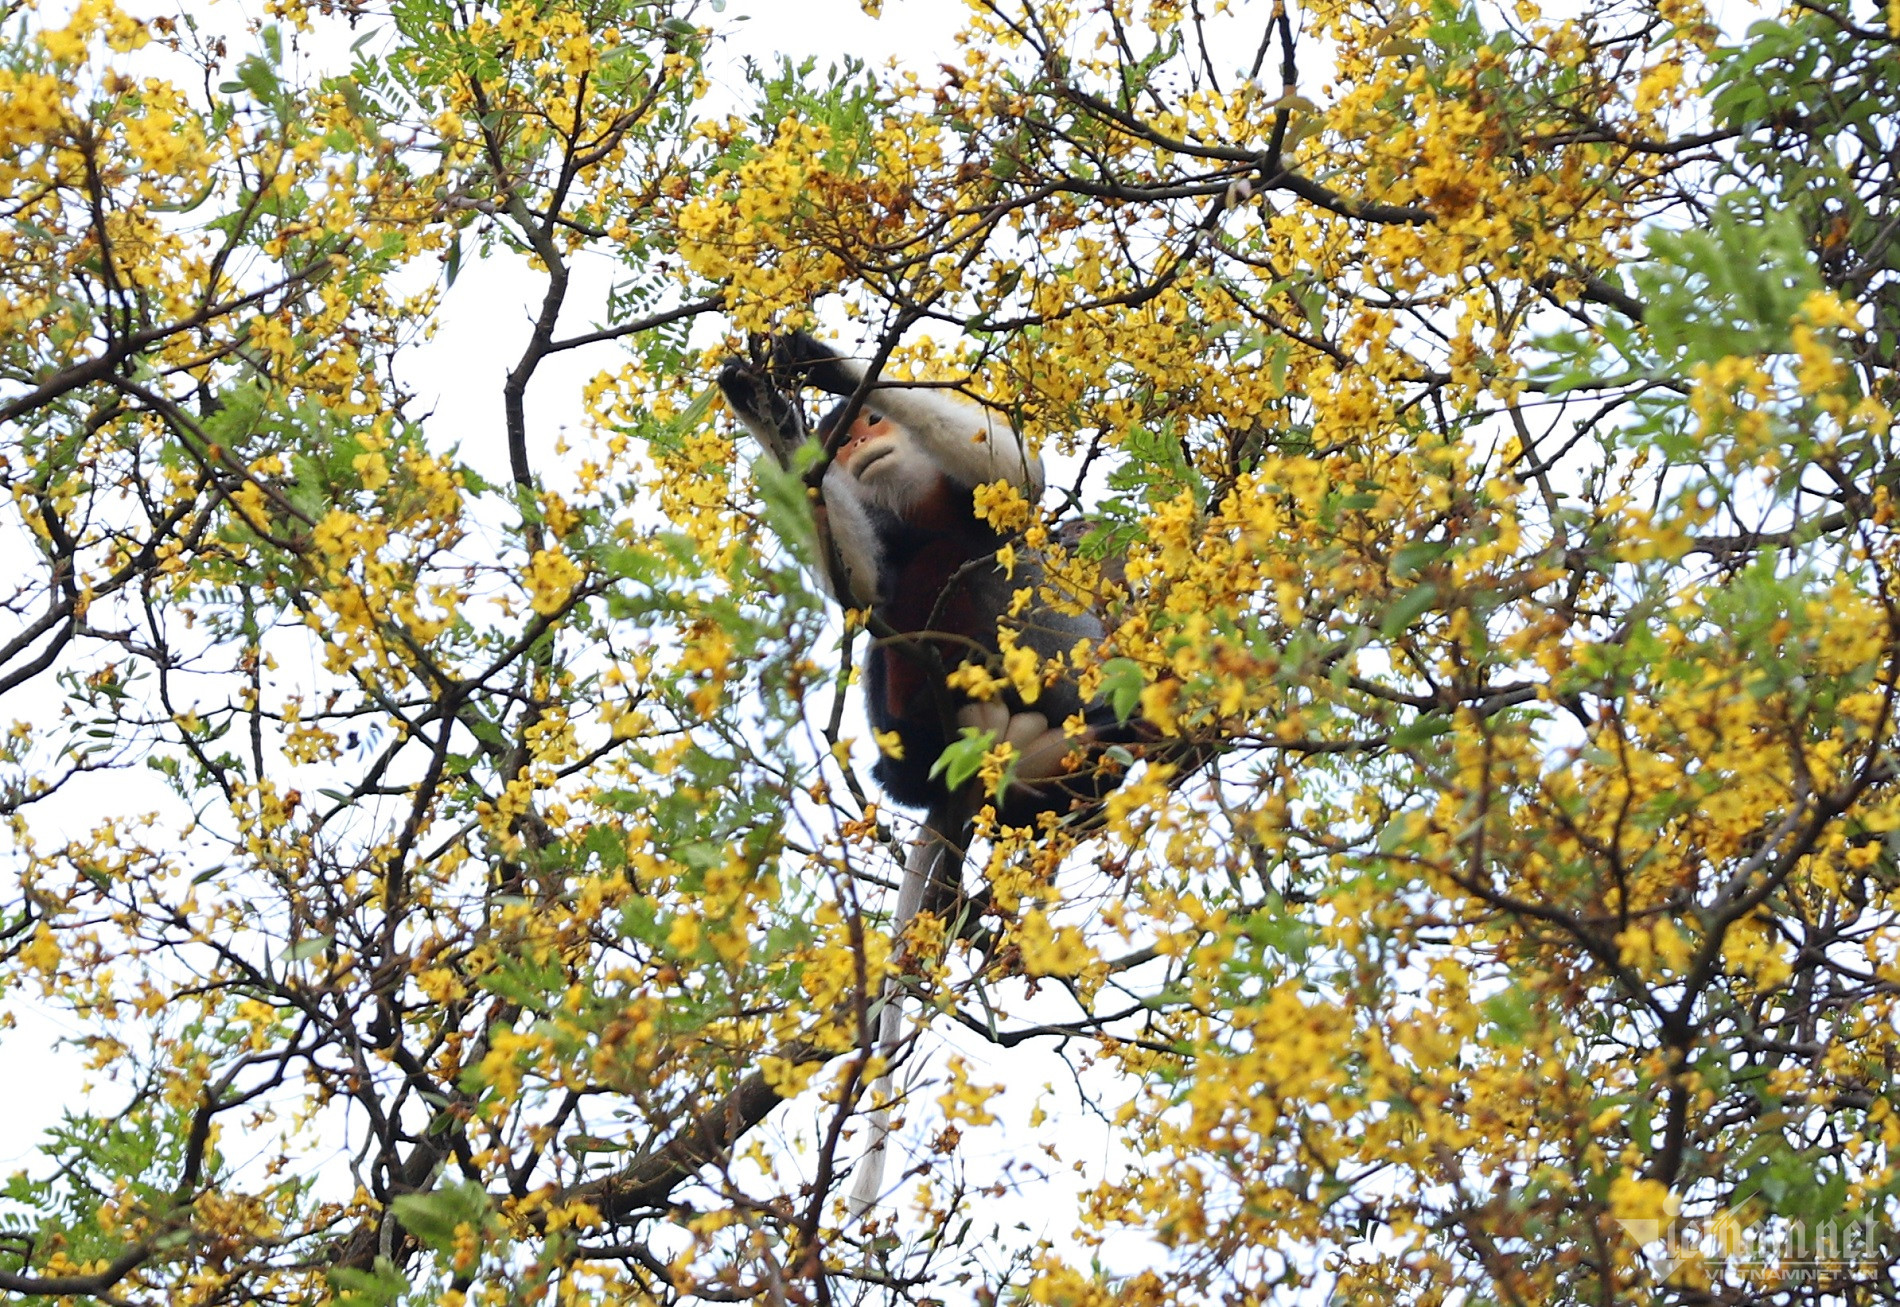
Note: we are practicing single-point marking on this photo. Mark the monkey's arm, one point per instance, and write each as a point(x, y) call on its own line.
point(973, 444)
point(847, 536)
point(763, 409)
point(855, 571)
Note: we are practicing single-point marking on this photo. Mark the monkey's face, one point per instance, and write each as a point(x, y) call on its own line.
point(888, 461)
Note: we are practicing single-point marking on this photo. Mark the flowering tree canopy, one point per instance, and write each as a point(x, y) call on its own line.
point(1472, 426)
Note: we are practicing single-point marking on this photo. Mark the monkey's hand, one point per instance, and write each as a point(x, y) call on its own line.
point(817, 364)
point(764, 410)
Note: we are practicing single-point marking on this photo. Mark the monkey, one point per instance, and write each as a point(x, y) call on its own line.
point(901, 537)
point(907, 544)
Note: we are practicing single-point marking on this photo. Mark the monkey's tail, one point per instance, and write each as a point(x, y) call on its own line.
point(934, 864)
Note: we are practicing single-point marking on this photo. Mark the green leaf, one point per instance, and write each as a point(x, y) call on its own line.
point(1420, 730)
point(435, 1217)
point(1415, 558)
point(788, 505)
point(1394, 834)
point(963, 758)
point(377, 1287)
point(305, 949)
point(1122, 683)
point(1513, 1013)
point(1410, 607)
point(670, 436)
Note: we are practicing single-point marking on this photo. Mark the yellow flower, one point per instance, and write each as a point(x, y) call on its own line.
point(785, 1077)
point(1023, 669)
point(43, 954)
point(1051, 951)
point(965, 1101)
point(551, 578)
point(1633, 1198)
